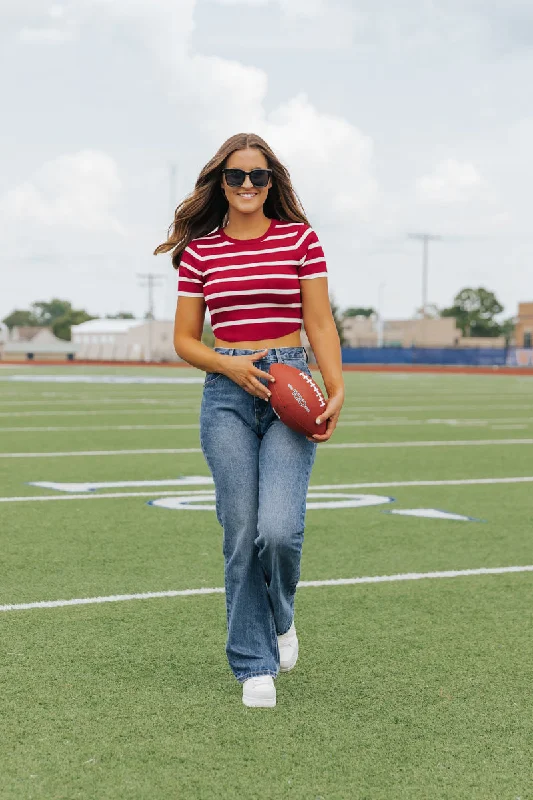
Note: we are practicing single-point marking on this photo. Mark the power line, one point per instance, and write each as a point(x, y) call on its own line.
point(425, 238)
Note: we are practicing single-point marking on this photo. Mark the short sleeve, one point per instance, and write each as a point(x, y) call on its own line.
point(313, 264)
point(190, 278)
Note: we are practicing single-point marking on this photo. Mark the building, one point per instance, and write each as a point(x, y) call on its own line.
point(34, 343)
point(439, 332)
point(524, 325)
point(125, 340)
point(364, 332)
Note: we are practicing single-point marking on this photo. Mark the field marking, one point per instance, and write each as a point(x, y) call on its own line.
point(84, 400)
point(96, 378)
point(87, 486)
point(407, 576)
point(177, 408)
point(329, 446)
point(93, 428)
point(496, 424)
point(100, 412)
point(323, 487)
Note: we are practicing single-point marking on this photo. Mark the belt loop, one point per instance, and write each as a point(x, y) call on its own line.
point(278, 354)
point(231, 351)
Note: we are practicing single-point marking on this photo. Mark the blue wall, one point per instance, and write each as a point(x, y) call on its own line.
point(475, 357)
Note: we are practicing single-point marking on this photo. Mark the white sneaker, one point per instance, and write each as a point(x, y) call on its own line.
point(288, 649)
point(259, 692)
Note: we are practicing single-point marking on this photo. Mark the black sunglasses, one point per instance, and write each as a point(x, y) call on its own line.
point(258, 177)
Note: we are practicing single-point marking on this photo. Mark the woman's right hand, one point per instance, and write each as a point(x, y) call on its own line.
point(241, 370)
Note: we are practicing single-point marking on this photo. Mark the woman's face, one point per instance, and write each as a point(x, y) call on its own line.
point(247, 199)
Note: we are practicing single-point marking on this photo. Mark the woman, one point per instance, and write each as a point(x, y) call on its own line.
point(243, 248)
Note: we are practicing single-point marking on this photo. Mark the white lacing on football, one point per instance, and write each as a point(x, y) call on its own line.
point(315, 388)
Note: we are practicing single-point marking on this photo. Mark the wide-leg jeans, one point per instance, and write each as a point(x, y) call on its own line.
point(261, 469)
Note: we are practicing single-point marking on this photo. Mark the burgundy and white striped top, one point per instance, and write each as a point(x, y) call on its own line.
point(252, 286)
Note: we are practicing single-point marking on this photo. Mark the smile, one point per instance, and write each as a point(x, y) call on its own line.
point(247, 195)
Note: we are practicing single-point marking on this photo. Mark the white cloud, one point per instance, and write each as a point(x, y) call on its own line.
point(451, 182)
point(45, 35)
point(330, 159)
point(74, 191)
point(56, 12)
point(306, 8)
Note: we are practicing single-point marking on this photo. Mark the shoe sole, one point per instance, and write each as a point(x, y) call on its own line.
point(259, 703)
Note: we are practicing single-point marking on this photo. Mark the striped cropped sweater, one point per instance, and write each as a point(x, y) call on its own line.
point(252, 286)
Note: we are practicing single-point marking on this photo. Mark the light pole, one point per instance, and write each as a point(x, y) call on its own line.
point(380, 314)
point(425, 238)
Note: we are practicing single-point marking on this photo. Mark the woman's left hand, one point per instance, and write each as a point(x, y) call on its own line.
point(331, 414)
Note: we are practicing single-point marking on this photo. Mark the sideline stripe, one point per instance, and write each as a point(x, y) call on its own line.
point(340, 446)
point(209, 494)
point(408, 576)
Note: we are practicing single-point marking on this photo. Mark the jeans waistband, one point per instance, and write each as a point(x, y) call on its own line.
point(274, 354)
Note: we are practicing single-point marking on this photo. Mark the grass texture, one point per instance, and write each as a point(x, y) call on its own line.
point(415, 690)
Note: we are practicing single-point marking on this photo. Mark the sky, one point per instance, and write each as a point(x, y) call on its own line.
point(392, 118)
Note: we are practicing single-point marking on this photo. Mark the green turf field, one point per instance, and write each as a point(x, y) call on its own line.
point(406, 688)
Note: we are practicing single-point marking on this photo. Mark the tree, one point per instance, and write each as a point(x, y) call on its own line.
point(62, 326)
point(21, 318)
point(55, 314)
point(358, 312)
point(335, 310)
point(120, 315)
point(507, 329)
point(47, 312)
point(475, 311)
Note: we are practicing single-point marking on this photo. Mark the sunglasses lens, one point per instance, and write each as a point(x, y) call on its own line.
point(235, 177)
point(260, 177)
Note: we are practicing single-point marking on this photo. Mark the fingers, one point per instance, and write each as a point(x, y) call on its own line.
point(265, 375)
point(258, 356)
point(256, 388)
point(331, 425)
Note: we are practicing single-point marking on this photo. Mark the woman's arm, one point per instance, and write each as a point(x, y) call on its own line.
point(323, 337)
point(188, 327)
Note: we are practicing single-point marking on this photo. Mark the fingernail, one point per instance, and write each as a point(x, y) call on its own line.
point(269, 394)
point(318, 421)
point(272, 380)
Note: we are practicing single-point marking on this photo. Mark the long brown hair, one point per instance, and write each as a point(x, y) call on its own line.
point(206, 207)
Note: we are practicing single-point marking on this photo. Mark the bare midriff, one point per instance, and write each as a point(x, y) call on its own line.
point(291, 340)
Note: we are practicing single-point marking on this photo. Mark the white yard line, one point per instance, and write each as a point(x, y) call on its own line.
point(437, 443)
point(81, 428)
point(99, 378)
point(350, 406)
point(407, 576)
point(91, 401)
point(101, 412)
point(324, 449)
point(372, 423)
point(323, 487)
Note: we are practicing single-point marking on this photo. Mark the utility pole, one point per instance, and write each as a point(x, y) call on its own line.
point(149, 280)
point(380, 320)
point(425, 238)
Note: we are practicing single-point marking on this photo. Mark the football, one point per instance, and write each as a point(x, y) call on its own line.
point(297, 400)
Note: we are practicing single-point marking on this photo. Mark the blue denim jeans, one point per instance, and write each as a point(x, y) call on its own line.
point(261, 470)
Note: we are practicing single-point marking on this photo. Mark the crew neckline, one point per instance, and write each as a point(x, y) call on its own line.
point(255, 239)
